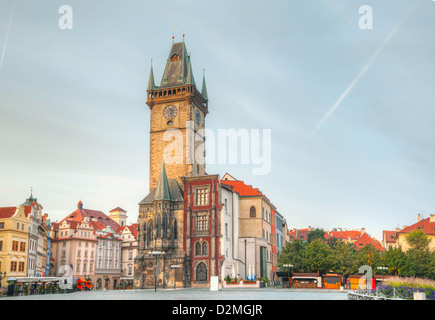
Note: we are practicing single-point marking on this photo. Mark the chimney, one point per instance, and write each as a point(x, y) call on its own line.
point(418, 217)
point(432, 218)
point(80, 205)
point(363, 230)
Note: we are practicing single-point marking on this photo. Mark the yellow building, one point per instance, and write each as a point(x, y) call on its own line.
point(426, 225)
point(14, 235)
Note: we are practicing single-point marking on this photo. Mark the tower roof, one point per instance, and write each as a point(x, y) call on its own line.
point(177, 67)
point(151, 84)
point(204, 87)
point(162, 190)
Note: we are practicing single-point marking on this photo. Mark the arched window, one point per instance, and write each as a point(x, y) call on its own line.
point(205, 248)
point(252, 212)
point(165, 226)
point(201, 272)
point(175, 229)
point(175, 57)
point(158, 226)
point(150, 232)
point(144, 233)
point(197, 249)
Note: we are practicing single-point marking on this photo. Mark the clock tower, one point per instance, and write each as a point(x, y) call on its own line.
point(178, 110)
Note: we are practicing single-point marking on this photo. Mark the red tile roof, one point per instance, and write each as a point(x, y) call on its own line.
point(7, 212)
point(102, 219)
point(389, 236)
point(301, 234)
point(425, 225)
point(364, 240)
point(344, 235)
point(245, 190)
point(132, 228)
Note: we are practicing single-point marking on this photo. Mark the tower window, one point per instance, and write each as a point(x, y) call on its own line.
point(201, 196)
point(170, 123)
point(252, 212)
point(175, 57)
point(201, 223)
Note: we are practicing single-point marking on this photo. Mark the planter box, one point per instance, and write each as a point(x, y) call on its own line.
point(242, 284)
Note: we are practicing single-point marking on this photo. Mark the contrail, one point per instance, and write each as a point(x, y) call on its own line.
point(6, 39)
point(361, 74)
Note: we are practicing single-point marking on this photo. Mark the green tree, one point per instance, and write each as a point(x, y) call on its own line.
point(369, 255)
point(292, 254)
point(417, 239)
point(398, 262)
point(419, 253)
point(344, 256)
point(316, 234)
point(317, 256)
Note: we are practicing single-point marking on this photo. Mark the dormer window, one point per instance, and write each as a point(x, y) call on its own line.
point(175, 57)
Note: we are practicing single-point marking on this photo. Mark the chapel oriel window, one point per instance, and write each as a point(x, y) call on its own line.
point(201, 196)
point(201, 223)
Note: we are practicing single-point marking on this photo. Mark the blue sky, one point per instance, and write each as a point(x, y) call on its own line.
point(74, 123)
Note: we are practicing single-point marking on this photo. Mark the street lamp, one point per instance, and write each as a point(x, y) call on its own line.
point(288, 272)
point(382, 268)
point(156, 254)
point(175, 266)
point(2, 276)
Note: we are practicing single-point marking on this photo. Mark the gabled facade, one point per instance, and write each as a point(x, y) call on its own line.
point(86, 240)
point(14, 237)
point(364, 240)
point(129, 249)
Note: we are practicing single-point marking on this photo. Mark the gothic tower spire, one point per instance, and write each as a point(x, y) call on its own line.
point(204, 87)
point(151, 84)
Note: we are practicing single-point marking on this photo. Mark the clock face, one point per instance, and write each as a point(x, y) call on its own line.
point(170, 112)
point(198, 117)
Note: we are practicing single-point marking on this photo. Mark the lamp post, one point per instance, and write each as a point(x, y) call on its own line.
point(175, 266)
point(382, 268)
point(156, 254)
point(288, 272)
point(2, 276)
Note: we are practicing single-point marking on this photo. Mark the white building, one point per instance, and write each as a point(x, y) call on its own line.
point(233, 266)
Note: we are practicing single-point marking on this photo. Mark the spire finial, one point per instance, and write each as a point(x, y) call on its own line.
point(183, 34)
point(204, 86)
point(173, 37)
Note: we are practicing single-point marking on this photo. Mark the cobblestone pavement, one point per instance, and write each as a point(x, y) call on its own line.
point(196, 294)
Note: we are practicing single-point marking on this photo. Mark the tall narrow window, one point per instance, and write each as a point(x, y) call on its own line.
point(201, 197)
point(197, 249)
point(252, 212)
point(165, 226)
point(205, 248)
point(175, 229)
point(158, 228)
point(150, 232)
point(201, 272)
point(201, 223)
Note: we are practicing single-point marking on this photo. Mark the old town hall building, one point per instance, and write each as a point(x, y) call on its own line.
point(179, 229)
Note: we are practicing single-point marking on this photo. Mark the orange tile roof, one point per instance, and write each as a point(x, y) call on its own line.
point(389, 236)
point(7, 212)
point(132, 228)
point(245, 190)
point(102, 219)
point(352, 234)
point(118, 209)
point(364, 240)
point(425, 225)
